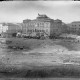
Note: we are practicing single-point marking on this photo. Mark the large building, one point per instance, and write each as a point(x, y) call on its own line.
point(42, 25)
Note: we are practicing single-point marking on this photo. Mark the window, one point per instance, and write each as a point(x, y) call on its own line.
point(35, 24)
point(79, 28)
point(73, 25)
point(42, 30)
point(42, 24)
point(46, 30)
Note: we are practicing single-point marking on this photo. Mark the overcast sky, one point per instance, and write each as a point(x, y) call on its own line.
point(16, 11)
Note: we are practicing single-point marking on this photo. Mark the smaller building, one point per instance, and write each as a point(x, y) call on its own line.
point(3, 29)
point(11, 29)
point(74, 27)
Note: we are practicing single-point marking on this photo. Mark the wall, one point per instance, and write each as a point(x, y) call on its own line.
point(56, 28)
point(74, 27)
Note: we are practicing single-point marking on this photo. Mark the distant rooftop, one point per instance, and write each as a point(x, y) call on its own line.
point(76, 22)
point(57, 20)
point(42, 17)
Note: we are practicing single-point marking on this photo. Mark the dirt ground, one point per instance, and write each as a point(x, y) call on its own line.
point(42, 55)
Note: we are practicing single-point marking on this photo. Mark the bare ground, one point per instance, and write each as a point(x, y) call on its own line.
point(45, 58)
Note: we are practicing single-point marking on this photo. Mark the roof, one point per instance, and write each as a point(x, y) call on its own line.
point(57, 20)
point(76, 22)
point(43, 17)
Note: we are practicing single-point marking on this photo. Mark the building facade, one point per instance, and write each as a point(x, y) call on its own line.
point(74, 27)
point(12, 29)
point(3, 29)
point(42, 25)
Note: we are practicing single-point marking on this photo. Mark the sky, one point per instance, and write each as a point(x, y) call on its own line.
point(17, 11)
